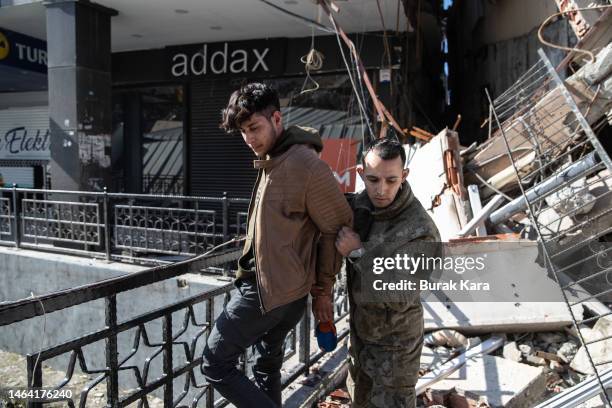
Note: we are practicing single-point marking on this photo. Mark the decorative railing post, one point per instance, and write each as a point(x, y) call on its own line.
point(167, 360)
point(304, 354)
point(34, 376)
point(210, 321)
point(111, 352)
point(107, 240)
point(225, 203)
point(16, 217)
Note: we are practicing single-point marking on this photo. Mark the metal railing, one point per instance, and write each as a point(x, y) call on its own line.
point(566, 190)
point(183, 327)
point(118, 226)
point(162, 184)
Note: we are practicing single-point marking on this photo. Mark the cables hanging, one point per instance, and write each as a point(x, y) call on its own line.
point(313, 61)
point(312, 23)
point(561, 47)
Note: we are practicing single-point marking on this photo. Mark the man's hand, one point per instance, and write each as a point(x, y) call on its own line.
point(347, 241)
point(322, 308)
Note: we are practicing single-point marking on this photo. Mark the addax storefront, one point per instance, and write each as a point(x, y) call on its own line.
point(167, 104)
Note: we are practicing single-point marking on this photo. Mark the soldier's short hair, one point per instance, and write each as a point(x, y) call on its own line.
point(255, 97)
point(386, 149)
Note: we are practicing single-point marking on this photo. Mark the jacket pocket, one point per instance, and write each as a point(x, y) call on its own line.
point(298, 271)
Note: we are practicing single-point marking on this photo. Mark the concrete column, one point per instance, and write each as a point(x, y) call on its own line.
point(79, 75)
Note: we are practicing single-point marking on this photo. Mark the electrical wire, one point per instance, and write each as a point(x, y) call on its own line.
point(562, 47)
point(310, 22)
point(365, 114)
point(350, 75)
point(387, 52)
point(313, 61)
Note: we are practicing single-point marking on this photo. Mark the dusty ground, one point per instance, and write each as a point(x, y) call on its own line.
point(13, 374)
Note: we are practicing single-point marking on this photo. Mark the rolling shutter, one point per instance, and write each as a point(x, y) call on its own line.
point(219, 162)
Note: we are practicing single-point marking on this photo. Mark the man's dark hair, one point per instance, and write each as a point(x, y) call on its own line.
point(386, 149)
point(249, 99)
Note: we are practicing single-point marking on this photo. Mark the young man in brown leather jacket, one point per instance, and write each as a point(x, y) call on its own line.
point(295, 213)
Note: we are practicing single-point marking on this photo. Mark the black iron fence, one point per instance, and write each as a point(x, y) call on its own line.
point(173, 339)
point(118, 226)
point(167, 368)
point(163, 184)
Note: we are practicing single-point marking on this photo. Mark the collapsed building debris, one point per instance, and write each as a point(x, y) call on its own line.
point(545, 175)
point(536, 197)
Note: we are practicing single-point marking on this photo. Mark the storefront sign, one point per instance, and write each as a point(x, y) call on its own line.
point(24, 134)
point(21, 51)
point(341, 156)
point(228, 58)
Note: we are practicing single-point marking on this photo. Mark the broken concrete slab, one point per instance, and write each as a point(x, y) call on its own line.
point(502, 382)
point(600, 350)
point(511, 352)
point(499, 309)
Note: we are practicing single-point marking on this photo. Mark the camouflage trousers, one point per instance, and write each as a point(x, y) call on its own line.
point(384, 374)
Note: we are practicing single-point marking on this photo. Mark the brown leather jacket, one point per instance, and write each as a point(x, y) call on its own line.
point(298, 210)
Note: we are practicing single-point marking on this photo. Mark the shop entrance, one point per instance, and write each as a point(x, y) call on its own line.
point(148, 140)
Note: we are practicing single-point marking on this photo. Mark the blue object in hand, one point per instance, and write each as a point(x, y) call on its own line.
point(326, 336)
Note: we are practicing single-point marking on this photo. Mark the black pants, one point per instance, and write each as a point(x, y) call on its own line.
point(239, 326)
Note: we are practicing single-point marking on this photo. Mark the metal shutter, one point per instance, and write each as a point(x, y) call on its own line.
point(219, 162)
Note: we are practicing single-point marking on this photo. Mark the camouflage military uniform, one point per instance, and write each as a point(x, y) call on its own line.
point(386, 336)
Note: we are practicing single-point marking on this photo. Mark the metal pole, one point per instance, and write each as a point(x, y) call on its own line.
point(225, 203)
point(34, 377)
point(304, 352)
point(210, 321)
point(575, 170)
point(167, 360)
point(111, 353)
point(16, 217)
point(107, 240)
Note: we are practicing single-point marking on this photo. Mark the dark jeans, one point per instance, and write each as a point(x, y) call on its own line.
point(240, 325)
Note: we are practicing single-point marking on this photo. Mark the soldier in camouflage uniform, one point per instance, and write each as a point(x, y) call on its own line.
point(386, 333)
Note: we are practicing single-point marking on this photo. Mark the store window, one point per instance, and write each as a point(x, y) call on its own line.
point(148, 140)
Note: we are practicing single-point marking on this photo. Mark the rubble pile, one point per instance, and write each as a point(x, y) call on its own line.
point(536, 196)
point(525, 370)
point(542, 176)
point(475, 191)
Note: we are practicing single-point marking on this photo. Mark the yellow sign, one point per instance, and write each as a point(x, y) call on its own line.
point(4, 47)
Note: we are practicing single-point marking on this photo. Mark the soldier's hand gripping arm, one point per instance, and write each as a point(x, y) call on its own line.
point(348, 241)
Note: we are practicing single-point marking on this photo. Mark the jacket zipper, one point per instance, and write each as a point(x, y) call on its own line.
point(257, 194)
point(261, 306)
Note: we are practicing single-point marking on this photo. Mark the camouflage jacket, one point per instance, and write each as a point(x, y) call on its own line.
point(403, 227)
